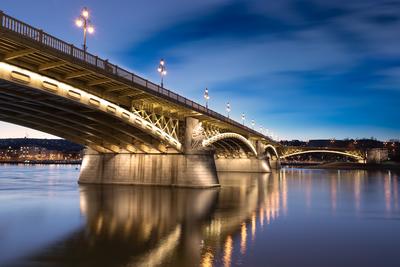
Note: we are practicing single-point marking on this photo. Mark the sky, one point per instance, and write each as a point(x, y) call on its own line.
point(302, 69)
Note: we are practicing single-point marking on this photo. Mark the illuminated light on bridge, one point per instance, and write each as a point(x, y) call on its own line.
point(206, 96)
point(162, 70)
point(83, 22)
point(228, 109)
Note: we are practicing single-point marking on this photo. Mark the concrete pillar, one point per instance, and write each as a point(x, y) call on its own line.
point(191, 124)
point(186, 170)
point(260, 148)
point(272, 159)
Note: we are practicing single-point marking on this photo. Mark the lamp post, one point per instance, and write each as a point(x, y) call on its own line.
point(243, 118)
point(83, 21)
point(228, 108)
point(206, 96)
point(162, 69)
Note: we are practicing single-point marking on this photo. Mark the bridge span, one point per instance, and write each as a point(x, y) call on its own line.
point(355, 154)
point(135, 131)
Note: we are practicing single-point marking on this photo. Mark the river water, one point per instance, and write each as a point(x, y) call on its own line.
point(293, 217)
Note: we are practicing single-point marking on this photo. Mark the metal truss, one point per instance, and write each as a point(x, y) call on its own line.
point(167, 124)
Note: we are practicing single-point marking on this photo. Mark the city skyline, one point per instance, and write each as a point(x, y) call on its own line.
point(304, 70)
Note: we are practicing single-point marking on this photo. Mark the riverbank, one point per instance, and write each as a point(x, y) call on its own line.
point(390, 165)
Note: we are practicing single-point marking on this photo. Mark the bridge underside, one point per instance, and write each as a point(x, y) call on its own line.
point(232, 148)
point(67, 119)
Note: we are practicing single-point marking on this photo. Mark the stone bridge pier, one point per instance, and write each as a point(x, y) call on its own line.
point(198, 164)
point(191, 168)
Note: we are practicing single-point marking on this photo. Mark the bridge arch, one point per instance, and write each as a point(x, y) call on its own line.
point(343, 153)
point(236, 139)
point(42, 103)
point(271, 148)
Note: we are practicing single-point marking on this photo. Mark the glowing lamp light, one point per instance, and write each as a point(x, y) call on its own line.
point(162, 69)
point(83, 21)
point(79, 22)
point(91, 29)
point(85, 13)
point(206, 95)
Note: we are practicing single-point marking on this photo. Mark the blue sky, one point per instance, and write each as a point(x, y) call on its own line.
point(303, 69)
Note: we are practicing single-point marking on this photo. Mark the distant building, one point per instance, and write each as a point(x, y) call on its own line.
point(24, 149)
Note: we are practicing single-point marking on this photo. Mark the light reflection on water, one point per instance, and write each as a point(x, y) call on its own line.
point(288, 218)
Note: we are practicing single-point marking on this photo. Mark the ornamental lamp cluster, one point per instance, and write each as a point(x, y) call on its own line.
point(84, 22)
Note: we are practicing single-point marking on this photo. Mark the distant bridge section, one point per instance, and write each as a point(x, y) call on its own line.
point(356, 154)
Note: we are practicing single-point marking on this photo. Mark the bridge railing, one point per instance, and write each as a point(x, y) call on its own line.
point(24, 30)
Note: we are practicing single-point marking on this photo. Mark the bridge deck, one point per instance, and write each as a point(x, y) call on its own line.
point(33, 49)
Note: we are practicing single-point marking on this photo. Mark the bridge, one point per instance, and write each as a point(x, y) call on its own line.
point(136, 131)
point(291, 151)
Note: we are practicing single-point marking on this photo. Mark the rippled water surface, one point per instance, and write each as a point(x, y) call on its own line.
point(289, 218)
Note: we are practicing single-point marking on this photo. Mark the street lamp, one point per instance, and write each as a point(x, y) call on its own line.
point(243, 118)
point(83, 21)
point(253, 123)
point(206, 96)
point(162, 69)
point(228, 108)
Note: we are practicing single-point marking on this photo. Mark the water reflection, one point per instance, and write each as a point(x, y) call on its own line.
point(146, 226)
point(278, 218)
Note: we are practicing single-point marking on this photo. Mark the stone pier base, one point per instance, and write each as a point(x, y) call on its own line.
point(242, 165)
point(188, 170)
